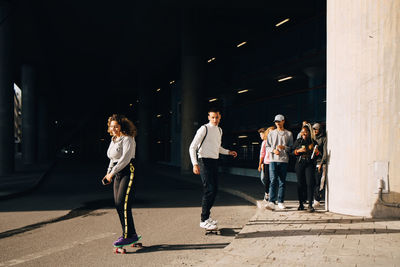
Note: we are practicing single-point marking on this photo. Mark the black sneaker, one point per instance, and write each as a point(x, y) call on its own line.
point(301, 207)
point(310, 208)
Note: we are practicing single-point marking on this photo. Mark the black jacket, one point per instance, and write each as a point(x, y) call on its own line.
point(321, 141)
point(309, 144)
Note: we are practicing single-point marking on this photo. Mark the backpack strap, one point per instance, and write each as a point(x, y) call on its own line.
point(205, 125)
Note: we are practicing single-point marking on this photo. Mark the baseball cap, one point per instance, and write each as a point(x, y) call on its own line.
point(316, 126)
point(279, 117)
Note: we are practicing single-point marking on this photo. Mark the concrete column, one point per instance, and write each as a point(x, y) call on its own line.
point(6, 93)
point(29, 122)
point(192, 82)
point(363, 105)
point(176, 101)
point(43, 130)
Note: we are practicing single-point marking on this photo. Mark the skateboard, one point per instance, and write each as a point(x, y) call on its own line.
point(122, 250)
point(213, 231)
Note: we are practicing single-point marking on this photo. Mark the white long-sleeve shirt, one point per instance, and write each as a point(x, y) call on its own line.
point(121, 150)
point(211, 147)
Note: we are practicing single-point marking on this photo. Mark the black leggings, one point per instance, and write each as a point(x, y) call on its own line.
point(266, 179)
point(123, 196)
point(305, 181)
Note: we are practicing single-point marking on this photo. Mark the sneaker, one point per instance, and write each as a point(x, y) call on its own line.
point(310, 208)
point(127, 241)
point(270, 206)
point(212, 221)
point(208, 226)
point(316, 203)
point(301, 207)
point(266, 196)
point(119, 239)
point(281, 206)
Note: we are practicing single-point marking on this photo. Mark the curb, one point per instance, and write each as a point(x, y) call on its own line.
point(233, 192)
point(35, 185)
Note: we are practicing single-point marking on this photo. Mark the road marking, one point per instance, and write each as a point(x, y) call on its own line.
point(53, 250)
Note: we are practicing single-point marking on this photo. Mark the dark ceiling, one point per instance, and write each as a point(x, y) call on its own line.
point(85, 50)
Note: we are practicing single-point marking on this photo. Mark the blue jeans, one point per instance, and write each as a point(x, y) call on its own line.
point(277, 173)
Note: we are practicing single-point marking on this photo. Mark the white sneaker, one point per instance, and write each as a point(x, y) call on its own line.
point(316, 203)
point(206, 225)
point(212, 221)
point(270, 206)
point(281, 206)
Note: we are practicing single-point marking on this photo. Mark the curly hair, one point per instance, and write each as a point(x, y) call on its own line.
point(261, 130)
point(127, 127)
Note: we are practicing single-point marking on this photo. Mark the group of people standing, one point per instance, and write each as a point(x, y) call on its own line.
point(309, 149)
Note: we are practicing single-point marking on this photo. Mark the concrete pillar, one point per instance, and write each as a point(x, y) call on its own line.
point(192, 82)
point(43, 130)
point(6, 93)
point(29, 122)
point(363, 105)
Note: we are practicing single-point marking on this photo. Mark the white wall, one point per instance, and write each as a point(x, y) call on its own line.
point(363, 103)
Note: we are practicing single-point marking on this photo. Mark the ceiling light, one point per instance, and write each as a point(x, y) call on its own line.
point(211, 60)
point(280, 23)
point(171, 82)
point(255, 143)
point(242, 136)
point(158, 89)
point(242, 43)
point(158, 115)
point(285, 79)
point(213, 99)
point(242, 91)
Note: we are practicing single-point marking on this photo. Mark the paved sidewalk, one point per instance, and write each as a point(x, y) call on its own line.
point(298, 238)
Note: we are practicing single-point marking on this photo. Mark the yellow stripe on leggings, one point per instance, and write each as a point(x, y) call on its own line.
point(126, 199)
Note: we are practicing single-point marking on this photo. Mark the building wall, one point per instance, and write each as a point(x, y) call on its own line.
point(363, 103)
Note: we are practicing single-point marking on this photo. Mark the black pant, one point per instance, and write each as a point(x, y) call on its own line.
point(317, 191)
point(266, 180)
point(209, 178)
point(123, 196)
point(305, 181)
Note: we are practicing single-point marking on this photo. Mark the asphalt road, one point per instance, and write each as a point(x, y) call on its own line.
point(70, 221)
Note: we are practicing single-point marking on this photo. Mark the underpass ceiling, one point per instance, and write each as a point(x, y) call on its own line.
point(92, 47)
